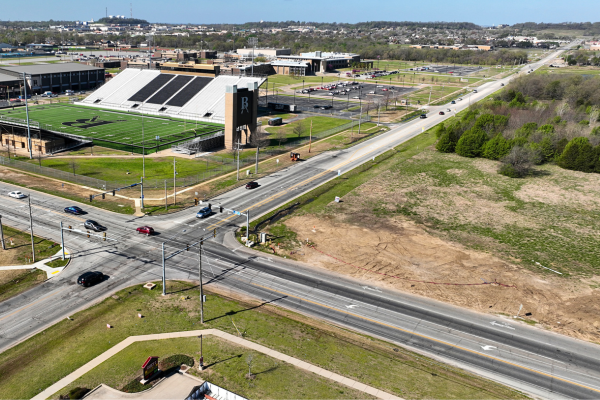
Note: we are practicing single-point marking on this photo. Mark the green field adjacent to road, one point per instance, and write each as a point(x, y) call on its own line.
point(106, 126)
point(226, 367)
point(62, 348)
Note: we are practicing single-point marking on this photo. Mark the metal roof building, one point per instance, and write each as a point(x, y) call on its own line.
point(57, 77)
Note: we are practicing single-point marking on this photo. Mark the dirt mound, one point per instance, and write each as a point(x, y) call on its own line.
point(397, 252)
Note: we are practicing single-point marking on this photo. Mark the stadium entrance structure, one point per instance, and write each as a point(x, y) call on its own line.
point(231, 101)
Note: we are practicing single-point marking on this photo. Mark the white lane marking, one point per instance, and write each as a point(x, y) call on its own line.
point(488, 347)
point(351, 306)
point(370, 288)
point(502, 325)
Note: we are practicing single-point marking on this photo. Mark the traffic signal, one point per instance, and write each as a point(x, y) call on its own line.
point(104, 236)
point(70, 227)
point(187, 247)
point(91, 197)
point(220, 209)
point(102, 196)
point(215, 232)
point(113, 192)
point(195, 201)
point(209, 206)
point(88, 233)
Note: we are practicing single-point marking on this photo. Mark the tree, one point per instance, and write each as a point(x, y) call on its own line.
point(281, 136)
point(496, 148)
point(578, 155)
point(445, 144)
point(260, 138)
point(298, 128)
point(249, 360)
point(517, 163)
point(471, 143)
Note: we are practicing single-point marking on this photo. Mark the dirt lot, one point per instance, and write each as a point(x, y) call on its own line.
point(450, 220)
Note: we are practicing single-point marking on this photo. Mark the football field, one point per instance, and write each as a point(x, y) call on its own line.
point(124, 131)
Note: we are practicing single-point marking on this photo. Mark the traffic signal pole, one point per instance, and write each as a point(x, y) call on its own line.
point(62, 240)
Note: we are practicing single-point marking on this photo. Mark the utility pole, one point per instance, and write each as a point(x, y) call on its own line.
point(310, 136)
point(2, 234)
point(142, 191)
point(359, 119)
point(200, 279)
point(253, 41)
point(174, 183)
point(429, 101)
point(166, 205)
point(164, 281)
point(239, 144)
point(31, 228)
point(62, 240)
point(27, 113)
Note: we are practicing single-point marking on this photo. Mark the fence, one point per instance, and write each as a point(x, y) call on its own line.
point(220, 165)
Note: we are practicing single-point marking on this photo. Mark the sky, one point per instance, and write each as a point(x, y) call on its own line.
point(239, 11)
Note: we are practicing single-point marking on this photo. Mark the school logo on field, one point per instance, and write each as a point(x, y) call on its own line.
point(90, 123)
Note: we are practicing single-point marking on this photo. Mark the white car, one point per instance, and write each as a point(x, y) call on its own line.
point(356, 97)
point(17, 195)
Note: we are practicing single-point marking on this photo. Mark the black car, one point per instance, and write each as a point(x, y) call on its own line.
point(423, 116)
point(251, 185)
point(73, 210)
point(316, 106)
point(93, 225)
point(90, 278)
point(325, 107)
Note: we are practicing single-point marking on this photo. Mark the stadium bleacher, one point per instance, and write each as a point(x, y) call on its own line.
point(192, 89)
point(152, 87)
point(170, 89)
point(152, 92)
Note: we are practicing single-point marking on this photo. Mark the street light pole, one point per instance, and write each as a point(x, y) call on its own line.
point(31, 228)
point(200, 279)
point(27, 114)
point(2, 234)
point(62, 240)
point(164, 280)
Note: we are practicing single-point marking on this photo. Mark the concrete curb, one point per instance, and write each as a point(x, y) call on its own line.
point(225, 336)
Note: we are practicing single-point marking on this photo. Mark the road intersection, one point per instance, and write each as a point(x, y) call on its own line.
point(536, 361)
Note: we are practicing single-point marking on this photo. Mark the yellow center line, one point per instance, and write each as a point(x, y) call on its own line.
point(428, 338)
point(308, 180)
point(34, 303)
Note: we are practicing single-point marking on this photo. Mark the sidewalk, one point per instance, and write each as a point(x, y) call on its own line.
point(223, 335)
point(50, 272)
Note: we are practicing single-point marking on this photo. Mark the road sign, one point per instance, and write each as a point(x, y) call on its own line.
point(237, 213)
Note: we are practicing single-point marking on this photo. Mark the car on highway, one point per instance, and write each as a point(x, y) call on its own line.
point(73, 210)
point(93, 225)
point(453, 102)
point(442, 113)
point(16, 194)
point(90, 278)
point(459, 99)
point(448, 110)
point(474, 90)
point(252, 185)
point(204, 212)
point(502, 84)
point(147, 230)
point(423, 116)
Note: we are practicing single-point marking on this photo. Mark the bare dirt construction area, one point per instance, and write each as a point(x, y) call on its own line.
point(453, 229)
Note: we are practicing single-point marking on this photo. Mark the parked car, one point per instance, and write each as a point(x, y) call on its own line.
point(93, 225)
point(74, 210)
point(147, 230)
point(90, 278)
point(204, 212)
point(251, 185)
point(325, 107)
point(316, 106)
point(16, 194)
point(442, 113)
point(372, 92)
point(356, 97)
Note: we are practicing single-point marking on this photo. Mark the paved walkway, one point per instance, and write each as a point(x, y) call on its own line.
point(50, 272)
point(223, 335)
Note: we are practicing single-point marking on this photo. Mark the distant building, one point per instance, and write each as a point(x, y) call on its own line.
point(264, 52)
point(320, 61)
point(58, 77)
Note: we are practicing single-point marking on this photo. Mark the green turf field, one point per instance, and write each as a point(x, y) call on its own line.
point(113, 129)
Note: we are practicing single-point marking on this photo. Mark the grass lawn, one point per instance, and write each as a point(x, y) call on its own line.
point(273, 379)
point(13, 282)
point(585, 70)
point(116, 168)
point(283, 80)
point(124, 128)
point(319, 124)
point(47, 357)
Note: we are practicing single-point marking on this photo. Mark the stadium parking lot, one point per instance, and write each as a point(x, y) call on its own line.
point(340, 101)
point(447, 69)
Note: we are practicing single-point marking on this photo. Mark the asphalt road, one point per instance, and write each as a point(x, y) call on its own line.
point(527, 358)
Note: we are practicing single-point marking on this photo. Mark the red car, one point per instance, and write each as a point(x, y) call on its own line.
point(251, 185)
point(442, 113)
point(146, 230)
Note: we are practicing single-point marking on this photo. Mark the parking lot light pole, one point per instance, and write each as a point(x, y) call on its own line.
point(62, 240)
point(31, 228)
point(27, 114)
point(164, 292)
